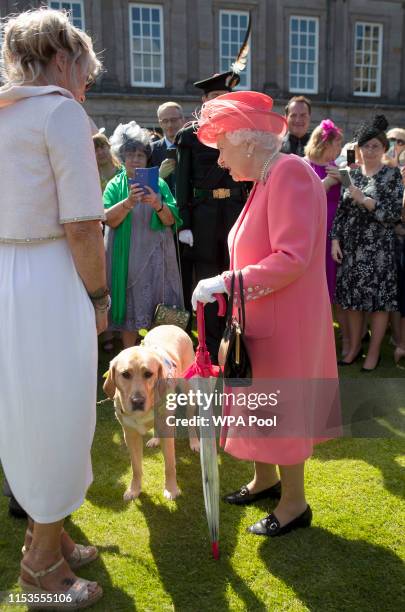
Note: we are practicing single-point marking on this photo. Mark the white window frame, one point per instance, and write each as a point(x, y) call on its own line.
point(303, 90)
point(71, 2)
point(378, 67)
point(142, 83)
point(229, 58)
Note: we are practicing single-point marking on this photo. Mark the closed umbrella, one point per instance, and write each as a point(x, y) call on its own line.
point(205, 371)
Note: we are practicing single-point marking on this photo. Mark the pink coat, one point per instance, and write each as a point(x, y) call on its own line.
point(278, 243)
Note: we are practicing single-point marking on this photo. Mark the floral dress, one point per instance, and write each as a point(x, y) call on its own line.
point(367, 277)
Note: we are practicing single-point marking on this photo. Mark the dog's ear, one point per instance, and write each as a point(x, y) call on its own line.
point(109, 385)
point(160, 388)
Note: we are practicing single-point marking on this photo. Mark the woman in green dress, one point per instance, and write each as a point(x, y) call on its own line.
point(141, 256)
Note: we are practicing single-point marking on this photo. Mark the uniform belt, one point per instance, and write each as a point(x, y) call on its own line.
point(216, 194)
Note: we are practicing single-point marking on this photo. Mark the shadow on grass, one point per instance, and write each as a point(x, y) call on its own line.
point(97, 571)
point(179, 535)
point(310, 562)
point(380, 453)
point(12, 538)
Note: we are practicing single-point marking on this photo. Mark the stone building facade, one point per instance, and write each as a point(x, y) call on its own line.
point(348, 56)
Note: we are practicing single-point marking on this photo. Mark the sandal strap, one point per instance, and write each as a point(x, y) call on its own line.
point(41, 573)
point(79, 591)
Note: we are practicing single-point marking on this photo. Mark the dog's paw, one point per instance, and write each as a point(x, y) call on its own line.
point(131, 494)
point(195, 444)
point(153, 443)
point(171, 492)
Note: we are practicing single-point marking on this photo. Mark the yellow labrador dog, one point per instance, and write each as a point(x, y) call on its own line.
point(137, 381)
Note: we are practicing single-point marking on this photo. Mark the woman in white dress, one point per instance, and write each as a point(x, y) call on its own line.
point(53, 296)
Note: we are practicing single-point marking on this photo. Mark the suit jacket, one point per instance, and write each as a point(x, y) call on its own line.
point(159, 149)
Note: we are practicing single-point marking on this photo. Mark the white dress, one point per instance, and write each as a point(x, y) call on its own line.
point(48, 341)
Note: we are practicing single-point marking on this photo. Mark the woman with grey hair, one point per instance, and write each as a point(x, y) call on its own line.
point(142, 267)
point(53, 295)
point(277, 250)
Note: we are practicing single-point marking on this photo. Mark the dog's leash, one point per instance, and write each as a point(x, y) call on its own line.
point(104, 401)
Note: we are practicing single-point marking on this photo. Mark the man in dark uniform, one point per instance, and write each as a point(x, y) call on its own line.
point(210, 202)
point(298, 115)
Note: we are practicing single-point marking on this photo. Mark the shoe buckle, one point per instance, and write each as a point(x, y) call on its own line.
point(271, 524)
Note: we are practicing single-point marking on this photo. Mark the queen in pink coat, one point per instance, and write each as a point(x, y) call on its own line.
point(278, 244)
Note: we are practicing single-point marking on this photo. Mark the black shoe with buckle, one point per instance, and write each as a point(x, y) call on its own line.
point(243, 497)
point(270, 526)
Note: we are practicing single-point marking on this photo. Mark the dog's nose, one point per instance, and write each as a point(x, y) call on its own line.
point(138, 402)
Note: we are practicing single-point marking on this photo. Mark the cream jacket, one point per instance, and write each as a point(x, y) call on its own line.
point(48, 169)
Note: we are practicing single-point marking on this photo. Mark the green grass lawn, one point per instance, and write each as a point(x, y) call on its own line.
point(155, 554)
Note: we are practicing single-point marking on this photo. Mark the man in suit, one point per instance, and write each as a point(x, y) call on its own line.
point(171, 120)
point(298, 115)
point(210, 202)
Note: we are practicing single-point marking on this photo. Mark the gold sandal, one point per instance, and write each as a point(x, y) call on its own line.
point(81, 555)
point(75, 598)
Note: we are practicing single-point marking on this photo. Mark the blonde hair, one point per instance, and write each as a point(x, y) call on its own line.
point(396, 133)
point(318, 143)
point(101, 140)
point(31, 39)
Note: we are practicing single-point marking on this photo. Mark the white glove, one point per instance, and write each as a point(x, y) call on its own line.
point(204, 292)
point(186, 236)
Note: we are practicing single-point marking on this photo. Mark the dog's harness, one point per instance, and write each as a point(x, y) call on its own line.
point(168, 363)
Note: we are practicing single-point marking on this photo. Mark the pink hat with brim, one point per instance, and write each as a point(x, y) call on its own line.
point(238, 110)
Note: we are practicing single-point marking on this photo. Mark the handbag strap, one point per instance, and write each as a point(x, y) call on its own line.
point(242, 303)
point(230, 301)
point(178, 262)
point(178, 257)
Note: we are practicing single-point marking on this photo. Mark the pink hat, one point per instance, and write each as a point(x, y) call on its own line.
point(238, 110)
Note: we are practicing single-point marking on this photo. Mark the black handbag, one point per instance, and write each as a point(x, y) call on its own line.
point(233, 355)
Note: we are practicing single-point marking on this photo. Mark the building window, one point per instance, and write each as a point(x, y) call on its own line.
point(147, 44)
point(303, 55)
point(232, 31)
point(367, 59)
point(76, 11)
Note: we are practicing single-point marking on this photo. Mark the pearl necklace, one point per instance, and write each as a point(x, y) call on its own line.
point(266, 167)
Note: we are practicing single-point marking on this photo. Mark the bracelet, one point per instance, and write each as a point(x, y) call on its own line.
point(100, 294)
point(160, 209)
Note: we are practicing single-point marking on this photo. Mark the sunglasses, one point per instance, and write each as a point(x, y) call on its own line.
point(397, 141)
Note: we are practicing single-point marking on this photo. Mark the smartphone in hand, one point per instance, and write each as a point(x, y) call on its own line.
point(351, 156)
point(345, 177)
point(171, 153)
point(146, 177)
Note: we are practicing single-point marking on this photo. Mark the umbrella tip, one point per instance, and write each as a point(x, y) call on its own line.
point(215, 550)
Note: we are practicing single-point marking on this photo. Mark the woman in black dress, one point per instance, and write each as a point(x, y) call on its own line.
point(363, 243)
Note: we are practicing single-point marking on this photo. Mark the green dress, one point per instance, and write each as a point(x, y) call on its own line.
point(142, 268)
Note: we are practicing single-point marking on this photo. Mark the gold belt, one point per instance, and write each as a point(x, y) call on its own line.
point(221, 194)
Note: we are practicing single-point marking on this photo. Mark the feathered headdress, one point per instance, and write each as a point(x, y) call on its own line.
point(129, 136)
point(241, 59)
point(228, 80)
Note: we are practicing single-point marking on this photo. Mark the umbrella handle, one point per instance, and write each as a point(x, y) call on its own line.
point(200, 316)
point(221, 304)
